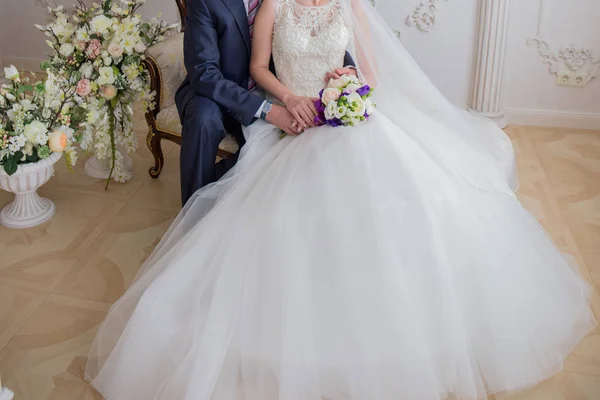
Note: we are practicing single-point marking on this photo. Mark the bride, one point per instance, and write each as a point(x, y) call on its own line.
point(386, 261)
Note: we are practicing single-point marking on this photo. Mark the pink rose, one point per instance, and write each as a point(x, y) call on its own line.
point(94, 48)
point(109, 92)
point(115, 50)
point(80, 45)
point(330, 94)
point(84, 87)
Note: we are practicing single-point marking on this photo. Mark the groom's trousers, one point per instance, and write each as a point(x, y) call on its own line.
point(204, 127)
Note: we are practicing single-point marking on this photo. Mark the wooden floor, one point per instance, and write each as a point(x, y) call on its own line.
point(58, 280)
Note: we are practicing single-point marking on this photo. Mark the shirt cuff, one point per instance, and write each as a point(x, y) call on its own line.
point(259, 111)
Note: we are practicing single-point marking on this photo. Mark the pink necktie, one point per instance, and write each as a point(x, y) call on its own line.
point(252, 10)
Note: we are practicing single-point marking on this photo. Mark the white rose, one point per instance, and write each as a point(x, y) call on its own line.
point(356, 103)
point(140, 47)
point(369, 106)
point(100, 24)
point(107, 61)
point(335, 83)
point(340, 111)
point(115, 50)
point(28, 105)
point(106, 77)
point(330, 110)
point(86, 70)
point(352, 87)
point(345, 79)
point(34, 129)
point(66, 49)
point(11, 73)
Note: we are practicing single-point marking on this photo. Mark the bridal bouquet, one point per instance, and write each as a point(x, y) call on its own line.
point(99, 50)
point(37, 120)
point(344, 102)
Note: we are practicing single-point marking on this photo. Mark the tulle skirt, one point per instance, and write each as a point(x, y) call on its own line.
point(343, 264)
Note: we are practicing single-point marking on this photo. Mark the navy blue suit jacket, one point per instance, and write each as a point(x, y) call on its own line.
point(217, 58)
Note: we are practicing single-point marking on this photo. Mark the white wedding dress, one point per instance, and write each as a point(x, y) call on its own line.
point(356, 263)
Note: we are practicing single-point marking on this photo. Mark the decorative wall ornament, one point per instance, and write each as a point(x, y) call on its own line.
point(424, 16)
point(573, 57)
point(399, 33)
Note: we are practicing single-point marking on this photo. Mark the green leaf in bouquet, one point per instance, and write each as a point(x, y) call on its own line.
point(45, 65)
point(33, 157)
point(24, 88)
point(11, 164)
point(40, 87)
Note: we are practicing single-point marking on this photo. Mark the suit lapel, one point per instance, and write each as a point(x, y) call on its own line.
point(238, 10)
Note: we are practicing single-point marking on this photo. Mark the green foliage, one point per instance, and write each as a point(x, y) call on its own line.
point(11, 163)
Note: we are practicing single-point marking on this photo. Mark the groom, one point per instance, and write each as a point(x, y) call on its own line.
point(217, 95)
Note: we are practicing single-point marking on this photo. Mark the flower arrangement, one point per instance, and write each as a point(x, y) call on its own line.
point(37, 120)
point(344, 102)
point(99, 50)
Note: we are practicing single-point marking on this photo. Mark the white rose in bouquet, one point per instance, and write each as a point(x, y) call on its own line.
point(34, 131)
point(330, 110)
point(357, 105)
point(86, 70)
point(369, 106)
point(107, 76)
point(335, 83)
point(66, 49)
point(11, 73)
point(340, 111)
point(140, 47)
point(101, 24)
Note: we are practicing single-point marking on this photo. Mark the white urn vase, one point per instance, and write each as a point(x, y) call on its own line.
point(28, 209)
point(100, 169)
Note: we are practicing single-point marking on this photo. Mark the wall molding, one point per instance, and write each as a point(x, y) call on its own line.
point(560, 119)
point(573, 57)
point(424, 15)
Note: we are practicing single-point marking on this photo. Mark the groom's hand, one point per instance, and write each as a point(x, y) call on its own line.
point(339, 72)
point(284, 120)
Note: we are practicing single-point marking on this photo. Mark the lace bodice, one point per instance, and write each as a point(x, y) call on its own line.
point(308, 42)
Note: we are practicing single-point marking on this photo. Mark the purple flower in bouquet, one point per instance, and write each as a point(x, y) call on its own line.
point(363, 91)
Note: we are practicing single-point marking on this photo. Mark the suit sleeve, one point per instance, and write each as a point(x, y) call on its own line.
point(348, 61)
point(201, 55)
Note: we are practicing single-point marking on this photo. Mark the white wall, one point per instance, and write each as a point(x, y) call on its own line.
point(531, 92)
point(446, 52)
point(23, 45)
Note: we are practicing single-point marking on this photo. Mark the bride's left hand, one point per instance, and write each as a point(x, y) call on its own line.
point(338, 72)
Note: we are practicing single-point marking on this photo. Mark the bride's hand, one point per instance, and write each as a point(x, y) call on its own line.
point(303, 109)
point(338, 73)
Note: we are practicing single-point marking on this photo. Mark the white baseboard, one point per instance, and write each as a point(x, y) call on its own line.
point(554, 119)
point(25, 64)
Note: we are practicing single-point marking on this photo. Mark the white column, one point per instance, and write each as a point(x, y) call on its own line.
point(486, 98)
